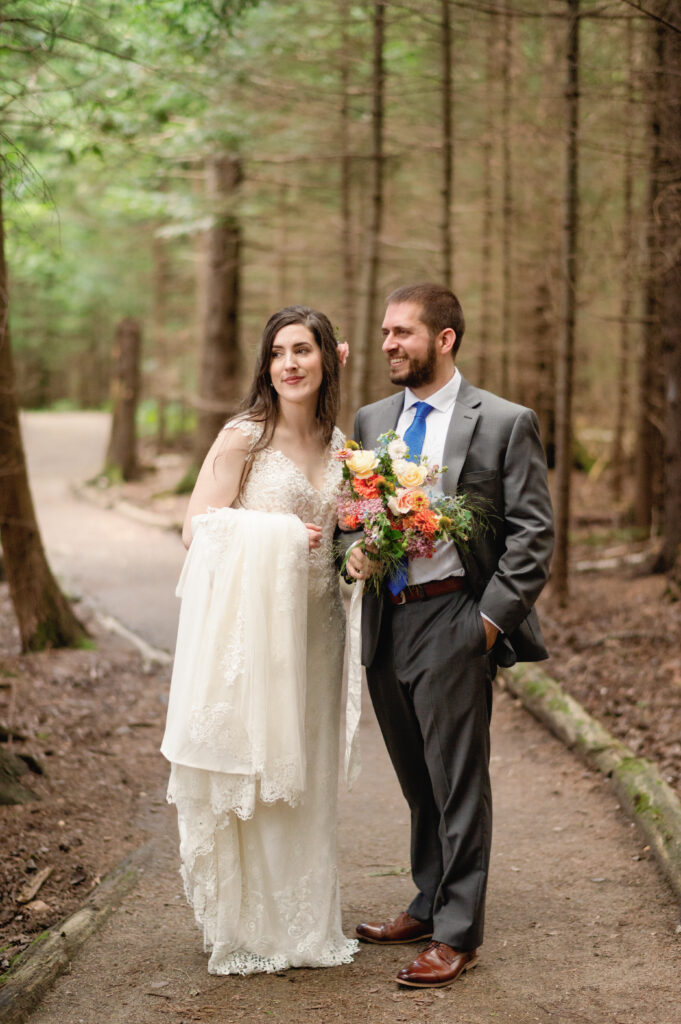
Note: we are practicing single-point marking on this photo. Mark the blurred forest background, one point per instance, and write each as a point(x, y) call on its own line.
point(175, 170)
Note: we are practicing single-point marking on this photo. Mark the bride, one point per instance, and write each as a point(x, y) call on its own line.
point(254, 709)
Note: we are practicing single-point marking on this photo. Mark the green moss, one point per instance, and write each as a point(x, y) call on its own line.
point(86, 643)
point(536, 688)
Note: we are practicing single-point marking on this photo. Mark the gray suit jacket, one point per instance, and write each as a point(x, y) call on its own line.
point(492, 451)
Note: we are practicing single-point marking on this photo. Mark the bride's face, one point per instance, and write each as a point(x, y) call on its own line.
point(296, 364)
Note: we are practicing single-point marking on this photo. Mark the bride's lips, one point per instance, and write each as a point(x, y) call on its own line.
point(292, 380)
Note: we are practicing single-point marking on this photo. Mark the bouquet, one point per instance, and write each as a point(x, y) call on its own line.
point(385, 494)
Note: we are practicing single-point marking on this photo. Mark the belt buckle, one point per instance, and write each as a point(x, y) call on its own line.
point(401, 598)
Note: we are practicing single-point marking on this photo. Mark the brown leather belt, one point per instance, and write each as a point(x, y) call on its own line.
point(420, 591)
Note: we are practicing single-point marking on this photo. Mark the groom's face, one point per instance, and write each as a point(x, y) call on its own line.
point(410, 350)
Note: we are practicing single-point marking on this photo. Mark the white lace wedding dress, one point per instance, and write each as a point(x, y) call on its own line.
point(261, 876)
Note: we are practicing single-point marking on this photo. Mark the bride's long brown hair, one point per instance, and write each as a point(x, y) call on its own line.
point(262, 403)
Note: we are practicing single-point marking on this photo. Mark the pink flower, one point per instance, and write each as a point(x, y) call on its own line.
point(343, 454)
point(343, 350)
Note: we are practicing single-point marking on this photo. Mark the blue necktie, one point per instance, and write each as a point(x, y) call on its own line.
point(415, 433)
point(414, 437)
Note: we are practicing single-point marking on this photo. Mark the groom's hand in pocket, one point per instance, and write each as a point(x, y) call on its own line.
point(491, 632)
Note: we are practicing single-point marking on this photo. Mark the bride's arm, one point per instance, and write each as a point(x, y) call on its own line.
point(217, 484)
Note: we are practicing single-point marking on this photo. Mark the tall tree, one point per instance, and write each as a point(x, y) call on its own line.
point(44, 615)
point(446, 240)
point(649, 434)
point(219, 384)
point(365, 331)
point(625, 360)
point(121, 454)
point(669, 214)
point(507, 209)
point(485, 334)
point(566, 351)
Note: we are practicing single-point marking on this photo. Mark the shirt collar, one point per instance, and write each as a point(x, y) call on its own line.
point(442, 400)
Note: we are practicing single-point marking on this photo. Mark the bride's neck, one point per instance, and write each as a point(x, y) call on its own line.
point(297, 421)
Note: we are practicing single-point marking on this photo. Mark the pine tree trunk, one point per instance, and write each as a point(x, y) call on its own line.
point(624, 359)
point(507, 209)
point(566, 353)
point(44, 615)
point(121, 455)
point(485, 336)
point(219, 384)
point(282, 248)
point(347, 251)
point(366, 333)
point(648, 435)
point(669, 216)
point(162, 355)
point(446, 242)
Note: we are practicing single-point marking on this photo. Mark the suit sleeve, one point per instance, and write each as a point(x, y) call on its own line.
point(523, 565)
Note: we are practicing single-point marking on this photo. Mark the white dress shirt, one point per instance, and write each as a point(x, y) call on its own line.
point(445, 562)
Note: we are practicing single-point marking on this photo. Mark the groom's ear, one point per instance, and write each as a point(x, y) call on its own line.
point(446, 340)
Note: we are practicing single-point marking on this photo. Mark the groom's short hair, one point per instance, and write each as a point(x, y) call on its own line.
point(440, 308)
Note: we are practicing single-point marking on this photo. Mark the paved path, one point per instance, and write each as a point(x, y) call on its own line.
point(123, 567)
point(581, 927)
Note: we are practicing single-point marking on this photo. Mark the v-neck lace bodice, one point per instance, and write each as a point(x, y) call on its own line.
point(277, 484)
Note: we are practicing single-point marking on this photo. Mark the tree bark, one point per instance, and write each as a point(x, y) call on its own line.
point(446, 241)
point(485, 336)
point(44, 615)
point(566, 353)
point(366, 329)
point(507, 208)
point(669, 218)
point(347, 251)
point(649, 439)
point(624, 358)
point(121, 455)
point(161, 352)
point(219, 384)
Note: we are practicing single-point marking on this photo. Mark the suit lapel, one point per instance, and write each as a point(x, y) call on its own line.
point(461, 428)
point(386, 417)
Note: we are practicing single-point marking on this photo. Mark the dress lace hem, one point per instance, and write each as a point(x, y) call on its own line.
point(242, 961)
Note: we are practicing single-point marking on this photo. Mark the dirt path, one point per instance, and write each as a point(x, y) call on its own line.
point(581, 927)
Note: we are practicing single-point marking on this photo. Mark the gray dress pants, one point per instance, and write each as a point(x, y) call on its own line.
point(431, 687)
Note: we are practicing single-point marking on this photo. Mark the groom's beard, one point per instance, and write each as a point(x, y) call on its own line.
point(417, 372)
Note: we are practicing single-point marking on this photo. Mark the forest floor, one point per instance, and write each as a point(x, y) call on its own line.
point(92, 719)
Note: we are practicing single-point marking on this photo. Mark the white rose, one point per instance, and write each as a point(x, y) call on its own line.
point(362, 463)
point(397, 449)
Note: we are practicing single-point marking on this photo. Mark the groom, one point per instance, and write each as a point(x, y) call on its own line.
point(431, 650)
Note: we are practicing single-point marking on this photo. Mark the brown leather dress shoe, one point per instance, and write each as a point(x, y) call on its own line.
point(437, 966)
point(403, 928)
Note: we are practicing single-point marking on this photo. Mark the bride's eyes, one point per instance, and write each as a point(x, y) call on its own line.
point(302, 350)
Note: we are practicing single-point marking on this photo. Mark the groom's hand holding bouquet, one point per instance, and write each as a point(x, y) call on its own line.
point(387, 494)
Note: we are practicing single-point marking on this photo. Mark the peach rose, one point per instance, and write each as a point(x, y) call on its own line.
point(409, 474)
point(362, 463)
